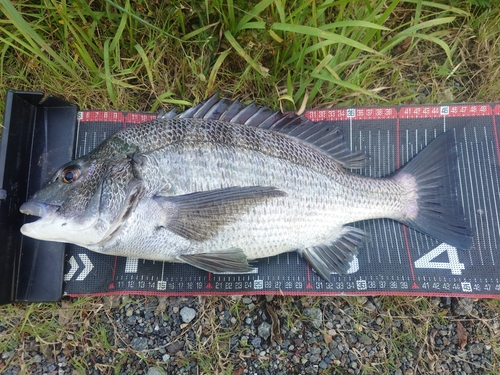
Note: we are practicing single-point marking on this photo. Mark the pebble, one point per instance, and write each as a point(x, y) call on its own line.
point(477, 348)
point(316, 316)
point(155, 371)
point(175, 347)
point(264, 330)
point(335, 336)
point(256, 342)
point(139, 343)
point(462, 306)
point(246, 300)
point(187, 314)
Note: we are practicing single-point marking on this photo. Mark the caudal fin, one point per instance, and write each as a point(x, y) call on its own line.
point(439, 213)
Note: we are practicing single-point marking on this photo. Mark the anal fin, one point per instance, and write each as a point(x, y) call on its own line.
point(336, 256)
point(231, 260)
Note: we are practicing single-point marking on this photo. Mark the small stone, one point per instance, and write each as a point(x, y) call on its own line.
point(477, 348)
point(323, 365)
point(256, 342)
point(38, 358)
point(155, 371)
point(316, 316)
point(365, 340)
point(370, 306)
point(246, 300)
point(314, 358)
point(187, 314)
point(264, 330)
point(461, 306)
point(166, 357)
point(314, 350)
point(466, 368)
point(139, 343)
point(7, 355)
point(175, 347)
point(129, 312)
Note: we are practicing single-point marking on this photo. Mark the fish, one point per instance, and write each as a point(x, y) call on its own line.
point(224, 183)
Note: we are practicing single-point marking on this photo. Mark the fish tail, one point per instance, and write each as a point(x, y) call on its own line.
point(431, 181)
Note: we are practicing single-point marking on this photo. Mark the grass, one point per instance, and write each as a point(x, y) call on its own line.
point(144, 55)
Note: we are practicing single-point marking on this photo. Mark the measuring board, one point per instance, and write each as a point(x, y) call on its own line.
point(396, 259)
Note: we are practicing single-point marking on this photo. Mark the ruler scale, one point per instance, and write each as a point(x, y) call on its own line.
point(396, 259)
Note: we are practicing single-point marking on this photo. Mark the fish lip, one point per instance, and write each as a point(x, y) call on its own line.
point(39, 209)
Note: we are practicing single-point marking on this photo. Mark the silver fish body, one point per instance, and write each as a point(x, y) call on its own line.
point(221, 184)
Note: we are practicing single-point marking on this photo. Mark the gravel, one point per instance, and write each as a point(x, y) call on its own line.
point(187, 314)
point(263, 335)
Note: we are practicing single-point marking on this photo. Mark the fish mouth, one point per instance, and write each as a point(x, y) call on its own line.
point(38, 209)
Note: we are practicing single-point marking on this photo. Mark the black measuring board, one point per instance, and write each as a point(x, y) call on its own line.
point(396, 259)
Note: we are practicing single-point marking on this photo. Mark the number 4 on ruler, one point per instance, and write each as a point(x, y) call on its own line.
point(453, 263)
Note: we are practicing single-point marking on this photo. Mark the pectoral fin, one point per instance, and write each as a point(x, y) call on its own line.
point(232, 260)
point(199, 216)
point(337, 256)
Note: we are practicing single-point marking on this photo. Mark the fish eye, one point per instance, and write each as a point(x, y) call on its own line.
point(70, 174)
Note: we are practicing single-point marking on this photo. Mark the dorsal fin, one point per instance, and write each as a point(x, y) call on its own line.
point(320, 134)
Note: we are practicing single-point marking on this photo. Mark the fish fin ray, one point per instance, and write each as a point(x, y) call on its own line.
point(231, 260)
point(199, 216)
point(321, 134)
point(336, 256)
point(439, 213)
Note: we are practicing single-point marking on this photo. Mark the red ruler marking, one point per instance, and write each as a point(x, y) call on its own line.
point(495, 131)
point(116, 116)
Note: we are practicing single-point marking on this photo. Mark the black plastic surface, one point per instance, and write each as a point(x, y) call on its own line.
point(30, 270)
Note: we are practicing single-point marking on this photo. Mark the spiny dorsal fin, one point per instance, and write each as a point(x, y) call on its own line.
point(320, 134)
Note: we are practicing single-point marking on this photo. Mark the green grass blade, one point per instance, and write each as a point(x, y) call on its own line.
point(348, 85)
point(215, 70)
point(442, 6)
point(311, 31)
point(199, 31)
point(107, 73)
point(147, 65)
point(37, 44)
point(355, 24)
point(137, 18)
point(239, 49)
point(119, 32)
point(252, 13)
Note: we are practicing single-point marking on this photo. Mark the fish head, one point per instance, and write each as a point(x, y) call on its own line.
point(82, 202)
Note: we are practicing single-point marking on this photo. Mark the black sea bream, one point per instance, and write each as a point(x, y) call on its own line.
point(221, 184)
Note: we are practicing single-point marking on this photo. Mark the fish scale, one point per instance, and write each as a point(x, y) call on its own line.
point(216, 194)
